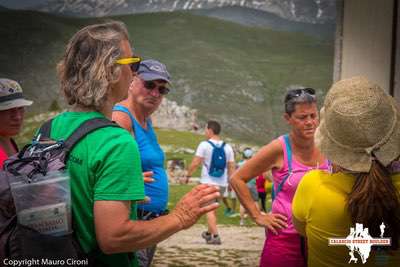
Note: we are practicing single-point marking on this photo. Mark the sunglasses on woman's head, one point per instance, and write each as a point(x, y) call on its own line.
point(133, 62)
point(150, 85)
point(298, 92)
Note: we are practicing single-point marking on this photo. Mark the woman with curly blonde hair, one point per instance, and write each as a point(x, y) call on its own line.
point(106, 176)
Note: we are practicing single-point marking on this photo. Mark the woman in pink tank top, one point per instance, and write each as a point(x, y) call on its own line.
point(289, 157)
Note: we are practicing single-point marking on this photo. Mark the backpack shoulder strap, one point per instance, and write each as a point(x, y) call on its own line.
point(126, 111)
point(45, 130)
point(289, 157)
point(211, 143)
point(223, 144)
point(84, 129)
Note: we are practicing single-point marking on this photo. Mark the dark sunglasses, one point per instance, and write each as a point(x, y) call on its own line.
point(298, 92)
point(133, 62)
point(150, 85)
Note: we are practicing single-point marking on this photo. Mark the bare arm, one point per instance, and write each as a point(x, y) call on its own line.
point(268, 157)
point(231, 171)
point(123, 120)
point(196, 162)
point(231, 168)
point(116, 233)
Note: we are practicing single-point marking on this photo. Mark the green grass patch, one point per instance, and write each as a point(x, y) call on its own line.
point(235, 74)
point(177, 191)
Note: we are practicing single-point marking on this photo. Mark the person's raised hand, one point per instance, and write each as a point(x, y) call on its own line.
point(200, 200)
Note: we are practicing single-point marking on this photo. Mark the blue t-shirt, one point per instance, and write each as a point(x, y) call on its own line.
point(152, 157)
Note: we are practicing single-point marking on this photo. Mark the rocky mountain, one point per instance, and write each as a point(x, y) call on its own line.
point(309, 11)
point(228, 72)
point(171, 115)
point(258, 18)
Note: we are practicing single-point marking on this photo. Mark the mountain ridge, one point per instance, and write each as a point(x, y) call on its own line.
point(235, 74)
point(310, 11)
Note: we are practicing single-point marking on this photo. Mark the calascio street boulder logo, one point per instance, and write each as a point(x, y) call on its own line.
point(360, 242)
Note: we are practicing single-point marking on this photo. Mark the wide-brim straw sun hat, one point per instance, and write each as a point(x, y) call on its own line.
point(359, 122)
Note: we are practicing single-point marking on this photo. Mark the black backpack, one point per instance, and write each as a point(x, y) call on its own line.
point(20, 242)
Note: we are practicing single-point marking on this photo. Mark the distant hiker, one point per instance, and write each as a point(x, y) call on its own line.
point(218, 164)
point(289, 157)
point(95, 72)
point(262, 194)
point(360, 134)
point(251, 184)
point(12, 110)
point(145, 95)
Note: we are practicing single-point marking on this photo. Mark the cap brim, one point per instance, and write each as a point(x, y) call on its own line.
point(153, 77)
point(16, 103)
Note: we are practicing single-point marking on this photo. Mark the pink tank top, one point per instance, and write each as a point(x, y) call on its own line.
point(283, 200)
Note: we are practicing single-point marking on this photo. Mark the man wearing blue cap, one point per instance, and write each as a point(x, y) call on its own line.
point(145, 95)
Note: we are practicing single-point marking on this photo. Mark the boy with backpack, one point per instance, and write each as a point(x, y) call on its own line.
point(218, 162)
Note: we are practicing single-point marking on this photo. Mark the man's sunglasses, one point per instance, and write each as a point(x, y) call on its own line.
point(150, 85)
point(133, 62)
point(298, 92)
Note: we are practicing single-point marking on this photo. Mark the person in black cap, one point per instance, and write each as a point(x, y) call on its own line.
point(145, 95)
point(12, 109)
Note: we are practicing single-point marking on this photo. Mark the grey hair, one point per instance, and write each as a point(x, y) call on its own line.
point(291, 102)
point(88, 67)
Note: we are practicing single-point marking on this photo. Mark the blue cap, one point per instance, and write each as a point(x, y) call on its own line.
point(150, 70)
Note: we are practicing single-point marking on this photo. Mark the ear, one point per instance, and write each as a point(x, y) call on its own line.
point(286, 116)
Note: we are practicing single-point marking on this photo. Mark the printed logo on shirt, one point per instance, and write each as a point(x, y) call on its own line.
point(359, 241)
point(74, 159)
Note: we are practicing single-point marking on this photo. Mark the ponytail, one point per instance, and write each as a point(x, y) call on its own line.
point(373, 200)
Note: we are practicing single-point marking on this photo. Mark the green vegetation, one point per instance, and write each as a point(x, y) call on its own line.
point(176, 144)
point(177, 191)
point(229, 72)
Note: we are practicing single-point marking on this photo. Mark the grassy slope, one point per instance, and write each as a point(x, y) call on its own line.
point(218, 67)
point(212, 61)
point(177, 191)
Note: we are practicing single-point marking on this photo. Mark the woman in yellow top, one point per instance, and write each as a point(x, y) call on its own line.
point(359, 200)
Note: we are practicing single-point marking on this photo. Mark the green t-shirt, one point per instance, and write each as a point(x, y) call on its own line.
point(104, 165)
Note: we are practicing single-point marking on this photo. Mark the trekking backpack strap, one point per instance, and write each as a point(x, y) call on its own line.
point(84, 129)
point(289, 158)
point(126, 111)
point(211, 143)
point(45, 130)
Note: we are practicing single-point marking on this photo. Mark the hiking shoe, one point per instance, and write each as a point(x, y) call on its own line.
point(227, 212)
point(241, 222)
point(214, 240)
point(206, 235)
point(233, 214)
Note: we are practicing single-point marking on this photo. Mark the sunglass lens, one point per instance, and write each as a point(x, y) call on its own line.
point(163, 90)
point(149, 85)
point(135, 66)
point(309, 91)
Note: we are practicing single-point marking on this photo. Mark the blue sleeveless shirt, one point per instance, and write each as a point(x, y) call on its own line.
point(152, 157)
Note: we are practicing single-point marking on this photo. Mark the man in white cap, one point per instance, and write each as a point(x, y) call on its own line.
point(12, 109)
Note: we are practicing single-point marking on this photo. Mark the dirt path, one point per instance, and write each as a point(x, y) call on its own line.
point(241, 246)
